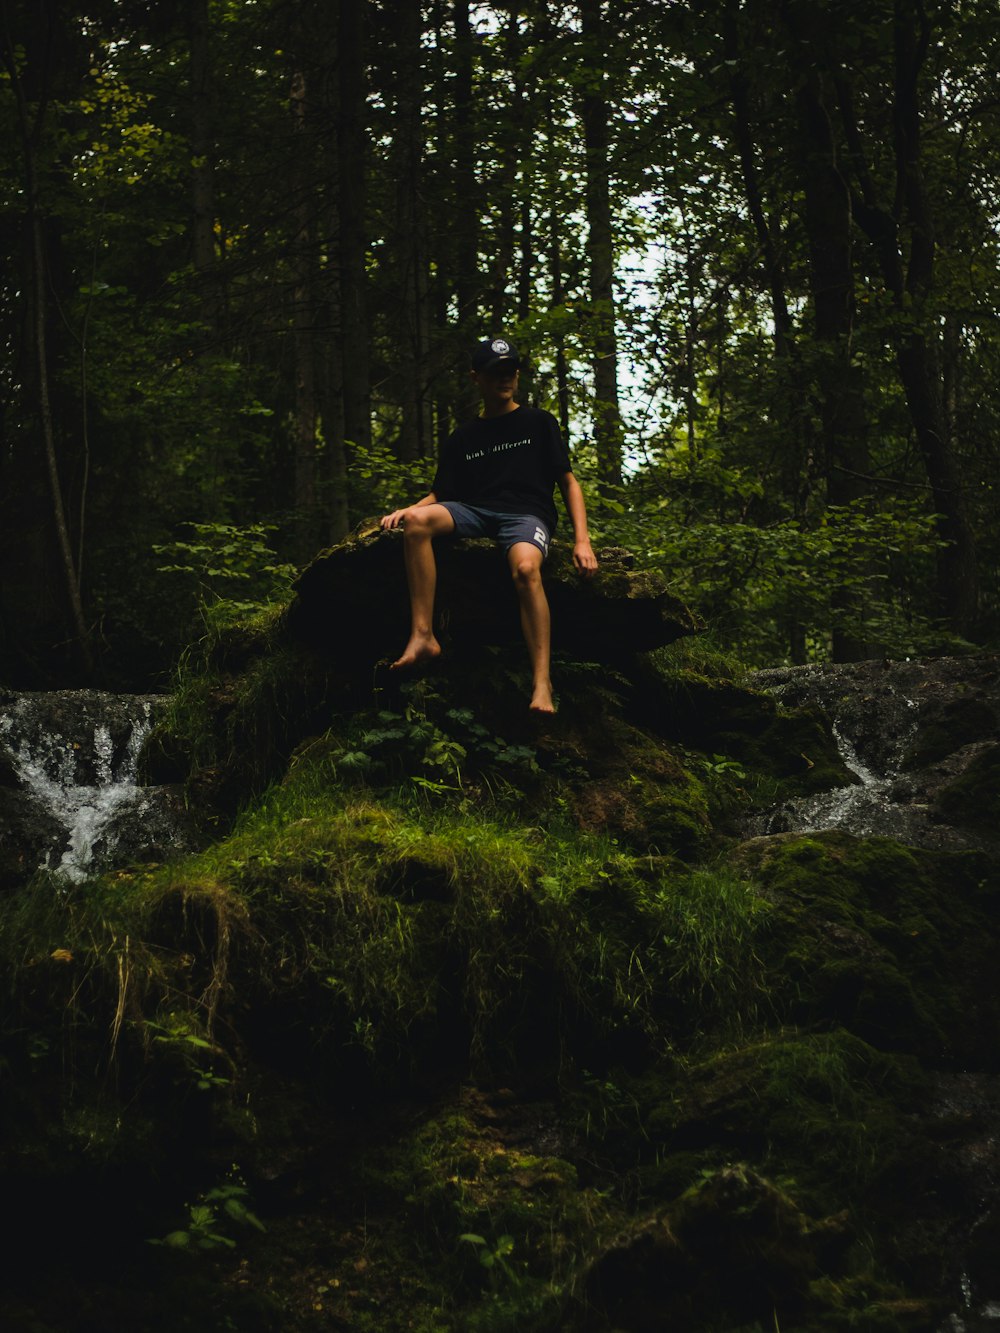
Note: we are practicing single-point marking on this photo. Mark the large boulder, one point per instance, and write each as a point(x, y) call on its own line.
point(352, 600)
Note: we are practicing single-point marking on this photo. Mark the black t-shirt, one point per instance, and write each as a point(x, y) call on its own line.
point(508, 463)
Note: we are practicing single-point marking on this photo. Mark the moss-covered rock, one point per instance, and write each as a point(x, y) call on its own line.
point(973, 799)
point(351, 601)
point(945, 725)
point(502, 1028)
point(722, 717)
point(890, 941)
point(736, 1251)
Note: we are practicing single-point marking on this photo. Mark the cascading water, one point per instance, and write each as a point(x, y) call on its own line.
point(70, 799)
point(867, 808)
point(907, 730)
point(882, 718)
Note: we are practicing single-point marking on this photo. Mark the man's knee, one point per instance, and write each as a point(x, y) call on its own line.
point(526, 569)
point(420, 522)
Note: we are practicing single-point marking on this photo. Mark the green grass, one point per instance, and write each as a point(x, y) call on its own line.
point(395, 923)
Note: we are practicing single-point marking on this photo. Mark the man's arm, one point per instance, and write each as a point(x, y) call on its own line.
point(396, 517)
point(583, 552)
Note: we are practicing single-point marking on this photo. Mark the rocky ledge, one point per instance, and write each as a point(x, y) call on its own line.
point(352, 600)
point(922, 739)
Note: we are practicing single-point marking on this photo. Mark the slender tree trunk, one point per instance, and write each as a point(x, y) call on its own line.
point(353, 155)
point(951, 360)
point(48, 433)
point(526, 261)
point(744, 139)
point(305, 420)
point(334, 397)
point(343, 371)
point(513, 148)
point(29, 135)
point(795, 417)
point(410, 350)
point(690, 387)
point(554, 258)
point(562, 361)
point(918, 353)
point(332, 389)
point(911, 284)
point(608, 431)
point(464, 227)
point(831, 266)
point(204, 252)
point(558, 297)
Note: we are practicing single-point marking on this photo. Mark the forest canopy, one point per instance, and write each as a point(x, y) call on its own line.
point(749, 248)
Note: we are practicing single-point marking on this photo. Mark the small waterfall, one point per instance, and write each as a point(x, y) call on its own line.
point(69, 795)
point(867, 808)
point(975, 1317)
point(880, 715)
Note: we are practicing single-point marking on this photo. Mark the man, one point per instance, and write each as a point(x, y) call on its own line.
point(496, 479)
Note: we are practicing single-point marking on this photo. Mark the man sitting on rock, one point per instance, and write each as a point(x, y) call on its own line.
point(496, 479)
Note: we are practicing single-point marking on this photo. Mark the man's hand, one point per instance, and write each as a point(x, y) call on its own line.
point(584, 558)
point(398, 516)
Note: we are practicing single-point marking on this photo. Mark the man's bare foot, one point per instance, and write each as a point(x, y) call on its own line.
point(541, 699)
point(417, 652)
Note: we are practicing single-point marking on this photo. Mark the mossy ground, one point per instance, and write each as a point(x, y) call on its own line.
point(472, 1014)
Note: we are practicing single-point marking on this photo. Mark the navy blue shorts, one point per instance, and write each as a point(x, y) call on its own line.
point(507, 529)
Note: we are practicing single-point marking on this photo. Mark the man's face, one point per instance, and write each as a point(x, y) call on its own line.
point(499, 383)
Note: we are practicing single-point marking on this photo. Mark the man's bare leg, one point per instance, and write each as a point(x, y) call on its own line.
point(420, 526)
point(525, 561)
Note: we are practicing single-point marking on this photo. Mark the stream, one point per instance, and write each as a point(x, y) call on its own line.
point(71, 802)
point(905, 730)
point(72, 805)
point(902, 732)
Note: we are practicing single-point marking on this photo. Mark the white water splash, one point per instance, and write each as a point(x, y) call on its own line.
point(983, 1317)
point(864, 808)
point(84, 788)
point(867, 808)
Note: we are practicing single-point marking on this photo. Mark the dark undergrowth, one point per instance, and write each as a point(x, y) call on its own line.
point(454, 1026)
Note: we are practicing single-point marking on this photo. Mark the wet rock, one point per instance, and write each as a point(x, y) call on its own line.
point(911, 732)
point(954, 1238)
point(72, 803)
point(733, 1249)
point(899, 714)
point(27, 834)
point(892, 942)
point(945, 724)
point(352, 601)
point(793, 744)
point(8, 769)
point(973, 797)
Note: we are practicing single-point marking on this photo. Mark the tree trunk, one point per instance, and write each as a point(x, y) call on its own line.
point(795, 417)
point(511, 150)
point(305, 418)
point(608, 432)
point(352, 202)
point(464, 226)
point(557, 279)
point(831, 280)
point(743, 136)
point(29, 138)
point(204, 252)
point(409, 243)
point(911, 284)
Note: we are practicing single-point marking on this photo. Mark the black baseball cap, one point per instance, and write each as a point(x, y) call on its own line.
point(495, 352)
